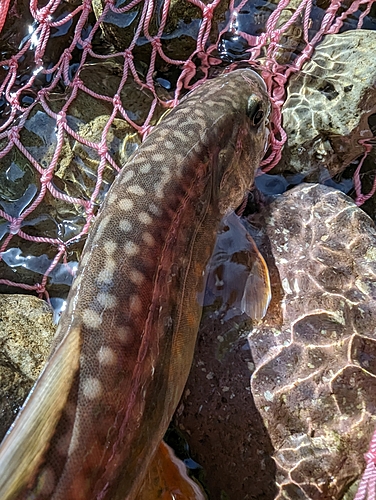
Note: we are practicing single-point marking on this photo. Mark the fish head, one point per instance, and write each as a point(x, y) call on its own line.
point(248, 123)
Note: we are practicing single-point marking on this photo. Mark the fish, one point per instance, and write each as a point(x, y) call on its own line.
point(124, 345)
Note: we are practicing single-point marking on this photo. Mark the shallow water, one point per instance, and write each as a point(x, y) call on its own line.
point(76, 173)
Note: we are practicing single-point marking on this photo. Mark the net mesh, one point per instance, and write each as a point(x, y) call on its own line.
point(66, 127)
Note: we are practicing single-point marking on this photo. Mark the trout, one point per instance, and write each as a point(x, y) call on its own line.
point(125, 343)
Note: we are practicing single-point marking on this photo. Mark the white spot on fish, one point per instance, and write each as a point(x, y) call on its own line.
point(169, 145)
point(180, 136)
point(125, 225)
point(91, 319)
point(112, 197)
point(148, 239)
point(62, 444)
point(109, 247)
point(85, 259)
point(145, 218)
point(107, 300)
point(70, 411)
point(165, 177)
point(154, 209)
point(145, 168)
point(102, 226)
point(126, 204)
point(106, 356)
point(199, 112)
point(124, 334)
point(77, 281)
point(92, 388)
point(137, 190)
point(131, 248)
point(107, 274)
point(136, 277)
point(135, 304)
point(75, 439)
point(126, 176)
point(46, 481)
point(158, 157)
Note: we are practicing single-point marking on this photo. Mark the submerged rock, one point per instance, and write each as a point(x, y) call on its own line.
point(330, 105)
point(315, 351)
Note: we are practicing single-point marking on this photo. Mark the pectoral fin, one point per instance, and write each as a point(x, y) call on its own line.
point(257, 291)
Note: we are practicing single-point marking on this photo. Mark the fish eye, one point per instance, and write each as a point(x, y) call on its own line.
point(254, 111)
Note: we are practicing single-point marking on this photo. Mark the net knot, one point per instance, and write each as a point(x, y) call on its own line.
point(13, 99)
point(188, 72)
point(89, 208)
point(46, 177)
point(14, 134)
point(128, 54)
point(67, 56)
point(39, 288)
point(117, 101)
point(61, 117)
point(86, 44)
point(208, 11)
point(156, 43)
point(13, 63)
point(15, 225)
point(102, 148)
point(43, 16)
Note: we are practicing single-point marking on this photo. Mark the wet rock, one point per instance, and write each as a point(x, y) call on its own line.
point(178, 40)
point(330, 105)
point(315, 351)
point(26, 333)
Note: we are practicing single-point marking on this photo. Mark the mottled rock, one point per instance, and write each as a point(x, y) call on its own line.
point(315, 351)
point(330, 105)
point(26, 332)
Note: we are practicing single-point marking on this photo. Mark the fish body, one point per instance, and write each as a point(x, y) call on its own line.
point(124, 346)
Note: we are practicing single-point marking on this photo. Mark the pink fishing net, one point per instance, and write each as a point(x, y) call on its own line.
point(52, 53)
